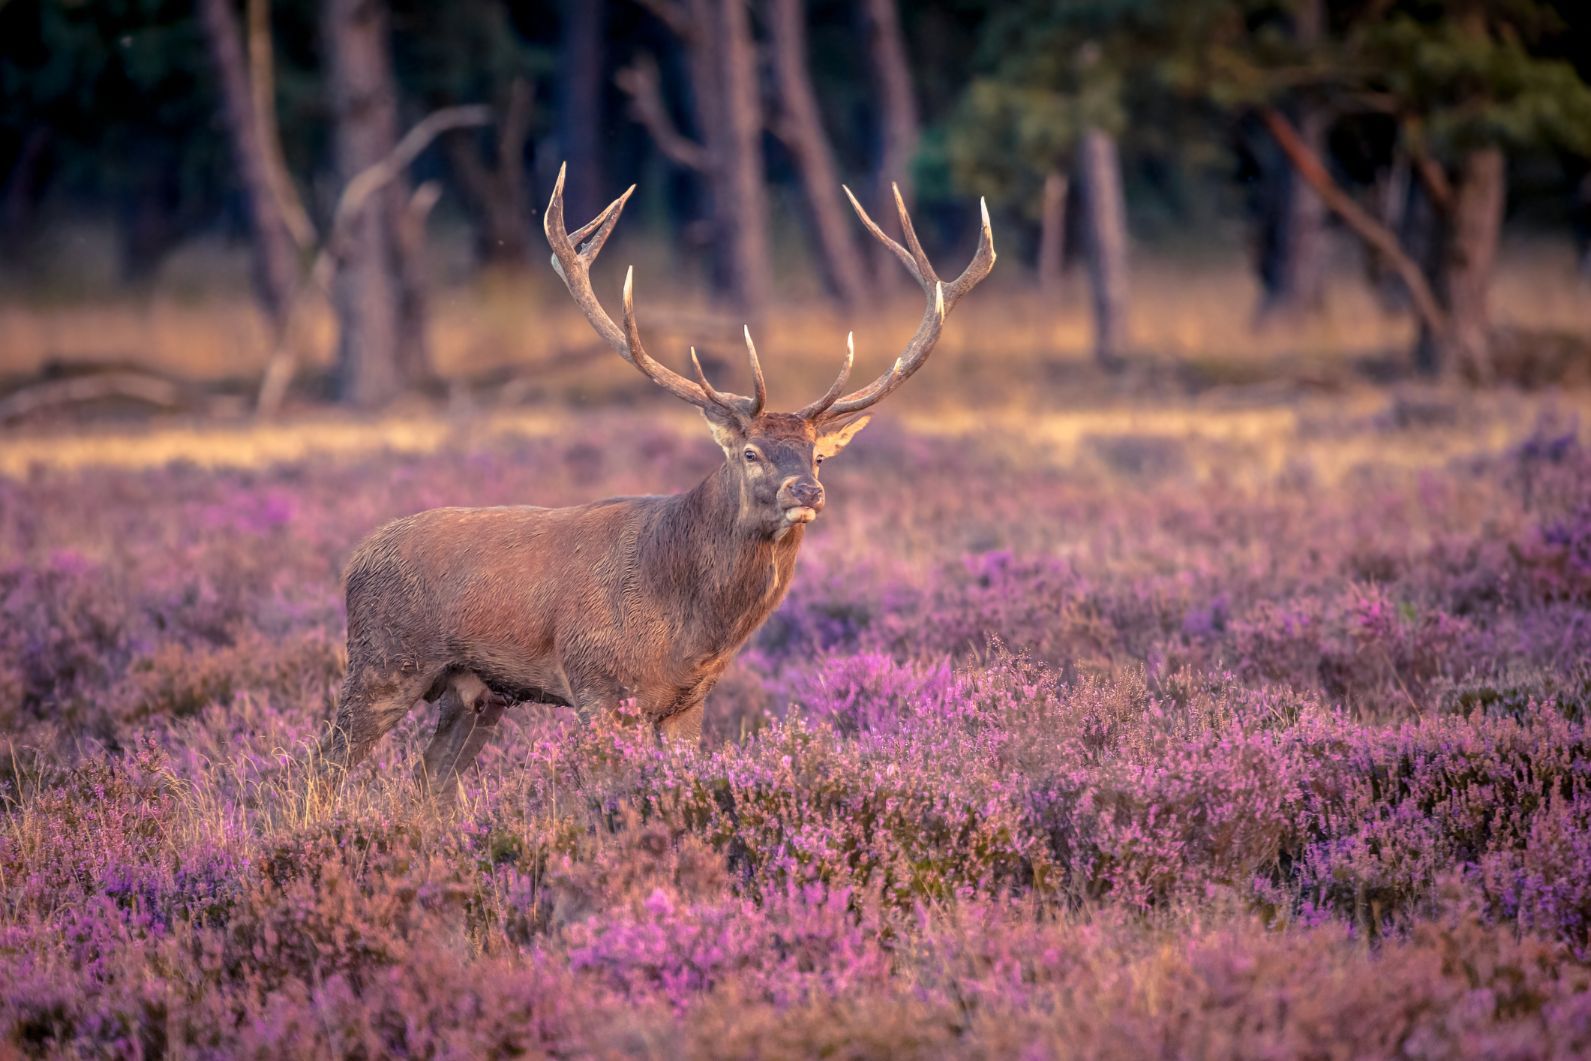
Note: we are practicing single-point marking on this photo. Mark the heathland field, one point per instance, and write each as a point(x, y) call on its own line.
point(1237, 725)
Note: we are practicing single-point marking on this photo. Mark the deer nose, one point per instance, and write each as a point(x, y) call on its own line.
point(807, 493)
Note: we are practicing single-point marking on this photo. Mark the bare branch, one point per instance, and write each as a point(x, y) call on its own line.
point(1430, 172)
point(1309, 166)
point(673, 15)
point(135, 386)
point(281, 366)
point(370, 181)
point(639, 81)
point(262, 81)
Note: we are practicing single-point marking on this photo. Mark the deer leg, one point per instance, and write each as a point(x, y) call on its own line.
point(680, 721)
point(684, 726)
point(370, 705)
point(469, 712)
point(592, 697)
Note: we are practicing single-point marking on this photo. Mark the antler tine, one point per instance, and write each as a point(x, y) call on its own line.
point(603, 225)
point(718, 398)
point(982, 259)
point(924, 266)
point(574, 266)
point(941, 299)
point(636, 354)
point(879, 234)
point(821, 406)
point(758, 384)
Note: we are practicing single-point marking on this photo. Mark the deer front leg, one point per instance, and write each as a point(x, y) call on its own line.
point(683, 726)
point(679, 719)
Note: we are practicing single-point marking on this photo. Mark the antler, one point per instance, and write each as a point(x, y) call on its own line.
point(942, 298)
point(572, 255)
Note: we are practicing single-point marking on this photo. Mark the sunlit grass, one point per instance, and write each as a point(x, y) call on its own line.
point(1008, 338)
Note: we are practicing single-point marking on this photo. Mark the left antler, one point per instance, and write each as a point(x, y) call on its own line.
point(942, 298)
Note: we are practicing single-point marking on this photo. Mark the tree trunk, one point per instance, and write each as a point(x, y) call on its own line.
point(1052, 232)
point(1468, 259)
point(496, 188)
point(1433, 316)
point(743, 202)
point(1394, 193)
point(800, 126)
point(897, 108)
point(21, 193)
point(721, 59)
point(407, 217)
point(1105, 222)
point(580, 103)
point(1582, 225)
point(367, 289)
point(1293, 265)
point(274, 251)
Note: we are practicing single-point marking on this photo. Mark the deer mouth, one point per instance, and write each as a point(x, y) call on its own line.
point(800, 514)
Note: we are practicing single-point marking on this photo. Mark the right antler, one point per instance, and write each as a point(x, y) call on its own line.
point(572, 255)
point(942, 297)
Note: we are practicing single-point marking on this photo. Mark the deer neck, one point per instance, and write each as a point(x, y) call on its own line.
point(737, 572)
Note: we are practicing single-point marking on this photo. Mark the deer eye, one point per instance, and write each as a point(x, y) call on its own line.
point(752, 456)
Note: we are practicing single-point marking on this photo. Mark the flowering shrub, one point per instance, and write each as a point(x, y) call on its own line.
point(1127, 756)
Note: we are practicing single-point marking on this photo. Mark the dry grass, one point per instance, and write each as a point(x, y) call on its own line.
point(1323, 431)
point(1185, 310)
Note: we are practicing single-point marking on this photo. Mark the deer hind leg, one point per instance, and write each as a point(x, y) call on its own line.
point(372, 702)
point(469, 713)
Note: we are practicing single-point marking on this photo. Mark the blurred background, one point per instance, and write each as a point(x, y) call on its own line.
point(245, 206)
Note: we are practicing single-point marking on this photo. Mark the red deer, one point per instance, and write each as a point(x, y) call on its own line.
point(632, 596)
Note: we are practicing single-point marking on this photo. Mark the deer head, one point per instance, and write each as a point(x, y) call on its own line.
point(773, 457)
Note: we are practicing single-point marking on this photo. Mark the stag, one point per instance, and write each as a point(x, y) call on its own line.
point(644, 597)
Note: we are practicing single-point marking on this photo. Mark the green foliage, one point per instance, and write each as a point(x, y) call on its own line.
point(123, 89)
point(1472, 86)
point(1454, 76)
point(465, 52)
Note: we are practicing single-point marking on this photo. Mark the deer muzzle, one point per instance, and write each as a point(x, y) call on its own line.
point(802, 501)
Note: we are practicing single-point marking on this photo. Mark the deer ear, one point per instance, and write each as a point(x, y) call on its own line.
point(726, 429)
point(832, 442)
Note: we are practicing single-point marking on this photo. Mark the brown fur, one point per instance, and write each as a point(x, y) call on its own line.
point(633, 596)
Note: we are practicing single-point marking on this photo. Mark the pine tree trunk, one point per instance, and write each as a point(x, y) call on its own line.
point(742, 199)
point(899, 129)
point(367, 292)
point(721, 60)
point(496, 188)
point(274, 253)
point(1105, 223)
point(1582, 224)
point(407, 222)
point(1293, 268)
point(580, 103)
point(801, 128)
point(1052, 232)
point(1466, 265)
